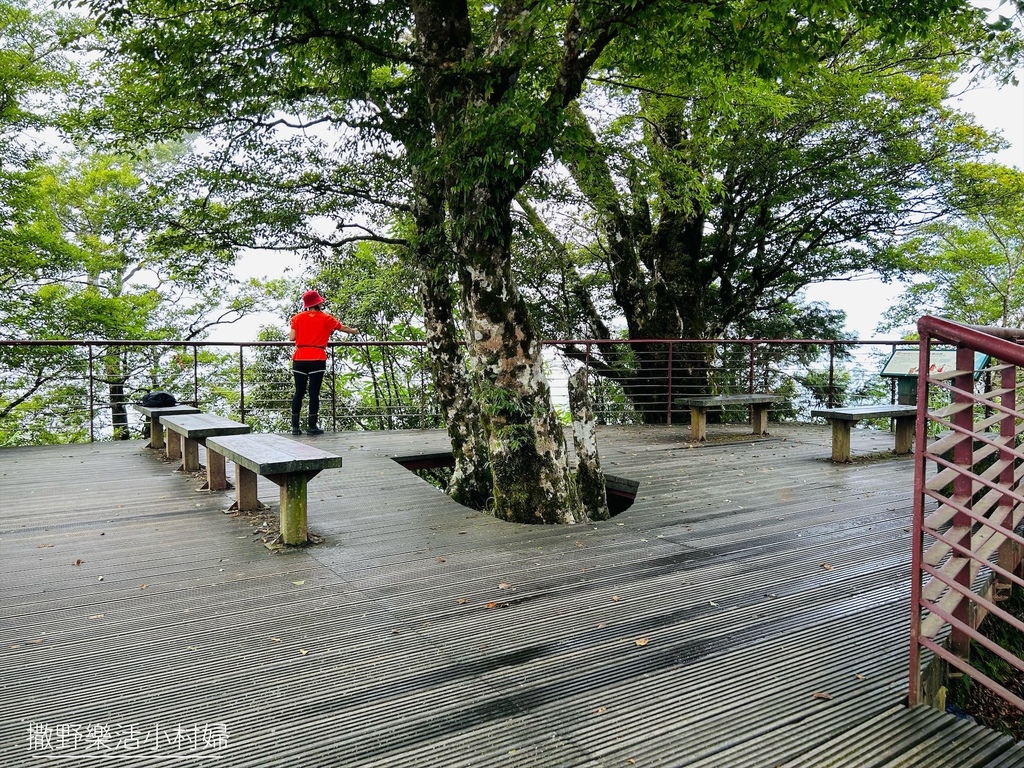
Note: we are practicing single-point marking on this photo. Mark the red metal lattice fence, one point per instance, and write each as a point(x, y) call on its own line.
point(969, 503)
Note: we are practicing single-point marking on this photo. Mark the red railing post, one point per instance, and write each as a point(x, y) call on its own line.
point(832, 375)
point(1010, 552)
point(92, 396)
point(917, 532)
point(963, 457)
point(241, 383)
point(668, 418)
point(195, 374)
point(750, 376)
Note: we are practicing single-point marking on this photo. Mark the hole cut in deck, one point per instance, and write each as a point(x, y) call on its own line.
point(436, 469)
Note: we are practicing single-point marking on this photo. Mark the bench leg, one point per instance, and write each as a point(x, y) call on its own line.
point(156, 433)
point(189, 455)
point(293, 507)
point(841, 440)
point(245, 489)
point(216, 473)
point(759, 418)
point(698, 424)
point(905, 434)
point(173, 444)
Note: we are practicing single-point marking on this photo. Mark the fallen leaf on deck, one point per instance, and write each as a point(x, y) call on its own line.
point(441, 560)
point(43, 546)
point(298, 583)
point(78, 562)
point(461, 601)
point(820, 695)
point(826, 566)
point(497, 605)
point(861, 677)
point(615, 598)
point(144, 586)
point(504, 585)
point(600, 710)
point(642, 641)
point(303, 651)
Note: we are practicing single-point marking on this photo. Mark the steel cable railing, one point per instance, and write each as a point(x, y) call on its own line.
point(74, 390)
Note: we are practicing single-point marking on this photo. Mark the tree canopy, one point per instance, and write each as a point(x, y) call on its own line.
point(969, 265)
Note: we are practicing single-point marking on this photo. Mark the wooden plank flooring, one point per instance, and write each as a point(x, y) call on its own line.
point(750, 609)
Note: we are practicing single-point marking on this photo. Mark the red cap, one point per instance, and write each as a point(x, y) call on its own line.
point(311, 299)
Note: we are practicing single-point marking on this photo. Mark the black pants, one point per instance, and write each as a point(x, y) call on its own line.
point(308, 374)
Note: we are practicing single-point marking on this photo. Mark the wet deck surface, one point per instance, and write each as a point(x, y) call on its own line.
point(750, 609)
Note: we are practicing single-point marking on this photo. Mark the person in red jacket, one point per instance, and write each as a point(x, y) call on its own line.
point(311, 330)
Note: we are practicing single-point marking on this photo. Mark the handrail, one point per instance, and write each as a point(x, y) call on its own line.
point(968, 506)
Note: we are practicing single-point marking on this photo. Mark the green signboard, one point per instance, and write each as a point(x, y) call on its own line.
point(904, 362)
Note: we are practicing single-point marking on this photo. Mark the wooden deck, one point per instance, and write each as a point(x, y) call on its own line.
point(750, 609)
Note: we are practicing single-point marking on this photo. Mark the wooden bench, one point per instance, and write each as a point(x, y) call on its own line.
point(288, 463)
point(843, 419)
point(156, 430)
point(191, 431)
point(759, 405)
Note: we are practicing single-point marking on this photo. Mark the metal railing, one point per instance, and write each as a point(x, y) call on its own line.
point(81, 390)
point(968, 507)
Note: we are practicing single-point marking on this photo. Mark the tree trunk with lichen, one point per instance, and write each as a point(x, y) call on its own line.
point(490, 130)
point(526, 442)
point(589, 475)
point(470, 484)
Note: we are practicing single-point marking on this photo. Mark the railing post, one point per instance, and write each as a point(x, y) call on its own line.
point(241, 383)
point(963, 457)
point(334, 389)
point(832, 374)
point(92, 397)
point(668, 419)
point(914, 692)
point(423, 390)
point(1010, 551)
point(750, 376)
point(195, 374)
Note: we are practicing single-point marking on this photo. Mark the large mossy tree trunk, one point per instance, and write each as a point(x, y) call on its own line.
point(490, 131)
point(471, 482)
point(526, 440)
